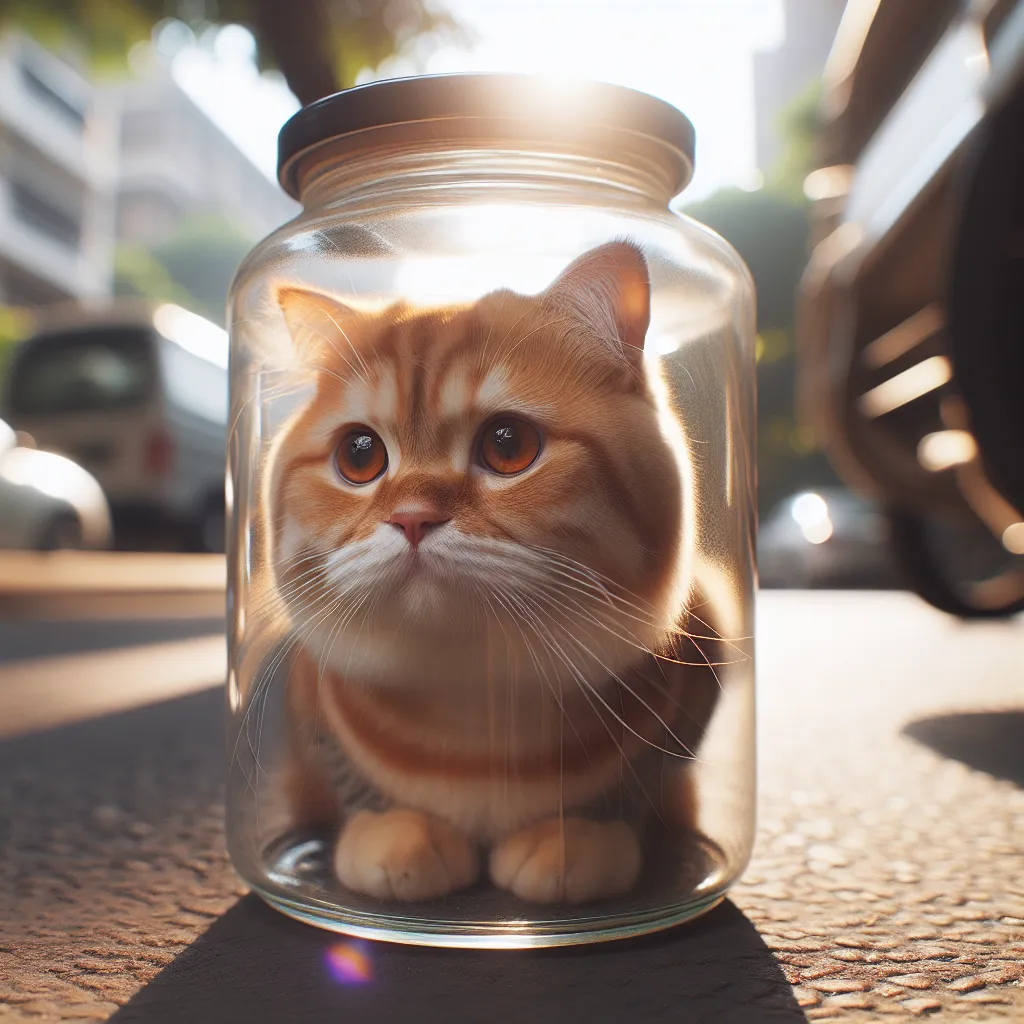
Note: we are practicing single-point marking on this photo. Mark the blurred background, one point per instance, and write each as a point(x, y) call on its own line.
point(137, 151)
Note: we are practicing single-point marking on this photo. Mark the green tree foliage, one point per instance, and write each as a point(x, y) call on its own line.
point(15, 324)
point(201, 257)
point(137, 274)
point(798, 124)
point(770, 229)
point(105, 29)
point(192, 266)
point(770, 232)
point(318, 45)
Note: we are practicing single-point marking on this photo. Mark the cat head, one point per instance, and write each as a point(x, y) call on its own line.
point(479, 488)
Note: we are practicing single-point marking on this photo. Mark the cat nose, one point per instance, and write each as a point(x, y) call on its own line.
point(417, 523)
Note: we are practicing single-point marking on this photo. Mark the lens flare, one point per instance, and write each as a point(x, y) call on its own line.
point(349, 963)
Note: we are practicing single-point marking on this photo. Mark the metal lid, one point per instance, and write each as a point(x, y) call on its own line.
point(533, 105)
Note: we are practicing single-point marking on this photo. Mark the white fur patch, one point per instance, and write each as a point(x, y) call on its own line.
point(291, 540)
point(385, 402)
point(494, 392)
point(455, 396)
point(357, 402)
point(450, 592)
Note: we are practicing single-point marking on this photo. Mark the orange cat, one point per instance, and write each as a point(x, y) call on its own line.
point(478, 527)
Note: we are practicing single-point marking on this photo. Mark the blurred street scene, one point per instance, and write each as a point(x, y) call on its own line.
point(136, 170)
point(864, 157)
point(125, 196)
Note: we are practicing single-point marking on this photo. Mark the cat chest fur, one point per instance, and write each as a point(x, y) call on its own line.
point(489, 782)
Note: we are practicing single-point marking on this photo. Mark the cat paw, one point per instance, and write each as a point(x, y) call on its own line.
point(568, 861)
point(403, 855)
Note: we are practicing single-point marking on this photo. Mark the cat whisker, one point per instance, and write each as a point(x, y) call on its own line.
point(631, 639)
point(355, 351)
point(506, 353)
point(582, 679)
point(580, 646)
point(516, 618)
point(326, 371)
point(257, 700)
point(593, 600)
point(490, 331)
point(584, 574)
point(598, 591)
point(531, 621)
point(624, 758)
point(554, 693)
point(519, 619)
point(621, 591)
point(499, 349)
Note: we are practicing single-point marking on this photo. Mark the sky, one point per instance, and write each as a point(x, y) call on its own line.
point(696, 54)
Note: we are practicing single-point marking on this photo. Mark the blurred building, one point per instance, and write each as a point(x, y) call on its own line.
point(783, 74)
point(57, 157)
point(175, 161)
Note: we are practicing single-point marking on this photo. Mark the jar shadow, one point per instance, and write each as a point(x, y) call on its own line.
point(989, 741)
point(254, 964)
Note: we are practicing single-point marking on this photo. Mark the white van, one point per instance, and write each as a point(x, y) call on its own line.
point(138, 396)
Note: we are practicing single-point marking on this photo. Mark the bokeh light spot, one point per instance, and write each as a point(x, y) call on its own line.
point(349, 963)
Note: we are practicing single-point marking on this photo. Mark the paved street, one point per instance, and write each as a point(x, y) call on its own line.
point(886, 883)
point(101, 586)
point(23, 639)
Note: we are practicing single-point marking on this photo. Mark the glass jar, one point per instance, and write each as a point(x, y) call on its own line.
point(491, 547)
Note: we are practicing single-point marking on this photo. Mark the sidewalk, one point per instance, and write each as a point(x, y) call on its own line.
point(887, 882)
point(87, 584)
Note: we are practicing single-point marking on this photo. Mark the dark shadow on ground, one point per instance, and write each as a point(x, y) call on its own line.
point(161, 766)
point(991, 741)
point(44, 638)
point(154, 765)
point(256, 965)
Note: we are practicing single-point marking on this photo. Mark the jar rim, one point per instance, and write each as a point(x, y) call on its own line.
point(527, 105)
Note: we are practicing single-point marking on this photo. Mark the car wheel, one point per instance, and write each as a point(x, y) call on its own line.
point(999, 596)
point(212, 528)
point(62, 533)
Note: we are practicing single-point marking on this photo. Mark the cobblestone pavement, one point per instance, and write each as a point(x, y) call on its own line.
point(888, 880)
point(889, 873)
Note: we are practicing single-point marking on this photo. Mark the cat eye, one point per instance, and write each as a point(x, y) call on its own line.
point(361, 456)
point(509, 445)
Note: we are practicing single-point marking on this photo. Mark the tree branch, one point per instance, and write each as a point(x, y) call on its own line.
point(298, 34)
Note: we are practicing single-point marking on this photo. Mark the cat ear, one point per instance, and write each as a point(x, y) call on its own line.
point(609, 290)
point(319, 324)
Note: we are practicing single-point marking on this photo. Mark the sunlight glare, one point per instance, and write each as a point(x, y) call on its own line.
point(52, 474)
point(695, 54)
point(1013, 538)
point(810, 512)
point(501, 247)
point(809, 509)
point(349, 963)
point(192, 332)
point(945, 449)
point(818, 533)
point(907, 386)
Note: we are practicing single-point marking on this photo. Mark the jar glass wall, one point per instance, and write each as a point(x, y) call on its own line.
point(491, 542)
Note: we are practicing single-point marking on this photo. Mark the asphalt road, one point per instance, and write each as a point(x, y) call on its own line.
point(886, 882)
point(21, 639)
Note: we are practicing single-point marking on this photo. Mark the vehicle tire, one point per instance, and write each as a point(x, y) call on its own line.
point(998, 597)
point(985, 311)
point(64, 532)
point(212, 528)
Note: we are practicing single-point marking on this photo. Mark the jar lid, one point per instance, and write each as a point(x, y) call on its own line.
point(529, 102)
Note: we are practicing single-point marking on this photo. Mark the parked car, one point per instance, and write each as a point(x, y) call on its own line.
point(829, 537)
point(46, 501)
point(137, 395)
point(911, 320)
